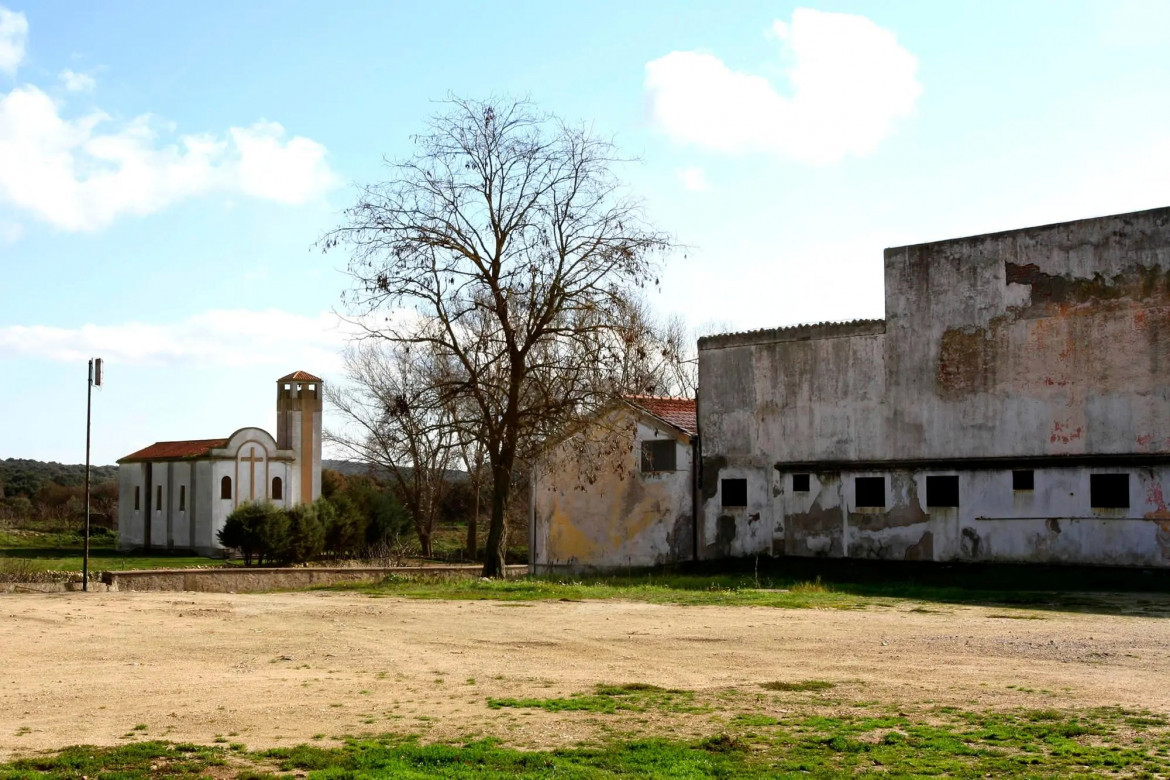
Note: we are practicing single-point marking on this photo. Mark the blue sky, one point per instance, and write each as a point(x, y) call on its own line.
point(165, 170)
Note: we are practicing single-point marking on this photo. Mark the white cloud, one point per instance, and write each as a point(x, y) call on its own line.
point(77, 175)
point(850, 82)
point(77, 82)
point(13, 36)
point(218, 338)
point(693, 179)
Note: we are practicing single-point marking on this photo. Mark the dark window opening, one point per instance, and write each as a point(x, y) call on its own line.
point(733, 492)
point(658, 455)
point(277, 489)
point(870, 491)
point(182, 498)
point(137, 498)
point(1024, 479)
point(158, 498)
point(1109, 491)
point(942, 491)
point(800, 483)
point(225, 487)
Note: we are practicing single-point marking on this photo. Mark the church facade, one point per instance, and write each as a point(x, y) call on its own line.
point(176, 495)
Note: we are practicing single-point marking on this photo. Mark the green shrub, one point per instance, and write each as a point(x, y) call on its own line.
point(306, 532)
point(258, 530)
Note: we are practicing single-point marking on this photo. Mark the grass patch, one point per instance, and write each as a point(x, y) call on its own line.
point(610, 699)
point(37, 551)
point(740, 590)
point(803, 685)
point(943, 742)
point(728, 590)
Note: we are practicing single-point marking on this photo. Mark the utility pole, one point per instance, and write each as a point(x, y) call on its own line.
point(95, 378)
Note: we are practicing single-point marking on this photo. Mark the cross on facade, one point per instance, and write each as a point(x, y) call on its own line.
point(252, 477)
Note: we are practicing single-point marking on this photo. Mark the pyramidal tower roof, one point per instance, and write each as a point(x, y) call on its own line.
point(300, 376)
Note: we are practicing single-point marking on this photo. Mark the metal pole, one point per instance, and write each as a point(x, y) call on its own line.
point(88, 411)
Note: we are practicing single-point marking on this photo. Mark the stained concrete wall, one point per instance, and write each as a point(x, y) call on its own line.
point(1045, 348)
point(593, 507)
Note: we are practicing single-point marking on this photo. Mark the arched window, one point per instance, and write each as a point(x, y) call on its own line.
point(277, 489)
point(225, 487)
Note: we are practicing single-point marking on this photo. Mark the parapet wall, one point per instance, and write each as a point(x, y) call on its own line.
point(243, 580)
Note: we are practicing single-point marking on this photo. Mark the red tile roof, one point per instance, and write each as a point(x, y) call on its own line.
point(176, 450)
point(299, 376)
point(679, 412)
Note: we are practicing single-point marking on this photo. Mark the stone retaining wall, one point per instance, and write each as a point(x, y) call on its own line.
point(241, 580)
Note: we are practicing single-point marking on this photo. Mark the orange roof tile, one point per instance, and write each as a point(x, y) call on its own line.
point(299, 376)
point(679, 412)
point(175, 450)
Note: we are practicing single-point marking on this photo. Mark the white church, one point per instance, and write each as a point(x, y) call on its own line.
point(176, 495)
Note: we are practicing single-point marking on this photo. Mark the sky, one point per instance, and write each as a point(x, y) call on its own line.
point(166, 170)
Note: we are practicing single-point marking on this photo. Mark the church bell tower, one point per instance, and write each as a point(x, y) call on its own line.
point(298, 428)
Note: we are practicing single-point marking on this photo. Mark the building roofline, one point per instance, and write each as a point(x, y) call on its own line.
point(632, 400)
point(810, 332)
point(1032, 229)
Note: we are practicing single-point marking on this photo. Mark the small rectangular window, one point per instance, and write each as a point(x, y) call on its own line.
point(658, 455)
point(1023, 479)
point(800, 483)
point(158, 498)
point(182, 498)
point(733, 492)
point(942, 491)
point(137, 498)
point(1109, 491)
point(870, 491)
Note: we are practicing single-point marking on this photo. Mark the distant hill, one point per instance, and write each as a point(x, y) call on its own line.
point(22, 477)
point(352, 468)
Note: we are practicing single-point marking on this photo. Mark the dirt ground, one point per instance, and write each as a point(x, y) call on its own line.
point(282, 669)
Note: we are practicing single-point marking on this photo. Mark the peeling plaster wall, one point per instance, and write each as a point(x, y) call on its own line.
point(1022, 349)
point(1054, 523)
point(1045, 341)
point(595, 509)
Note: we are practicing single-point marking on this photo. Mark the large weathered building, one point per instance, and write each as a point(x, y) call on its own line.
point(1013, 405)
point(178, 494)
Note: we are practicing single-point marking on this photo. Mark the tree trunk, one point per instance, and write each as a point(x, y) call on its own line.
point(424, 543)
point(471, 523)
point(493, 557)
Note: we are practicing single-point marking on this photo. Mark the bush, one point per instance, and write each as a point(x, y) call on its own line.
point(345, 526)
point(306, 532)
point(388, 520)
point(258, 530)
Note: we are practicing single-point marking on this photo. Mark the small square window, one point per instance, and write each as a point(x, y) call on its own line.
point(942, 491)
point(800, 483)
point(1109, 491)
point(658, 455)
point(1023, 479)
point(870, 491)
point(733, 492)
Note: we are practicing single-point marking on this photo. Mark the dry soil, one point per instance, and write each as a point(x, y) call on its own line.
point(280, 669)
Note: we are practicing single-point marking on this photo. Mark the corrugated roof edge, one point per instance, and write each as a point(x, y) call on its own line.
point(817, 330)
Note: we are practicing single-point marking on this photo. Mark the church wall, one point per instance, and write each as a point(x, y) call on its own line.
point(130, 531)
point(221, 507)
point(205, 495)
point(157, 504)
point(179, 505)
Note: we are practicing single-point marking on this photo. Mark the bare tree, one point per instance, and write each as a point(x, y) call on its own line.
point(397, 419)
point(511, 238)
